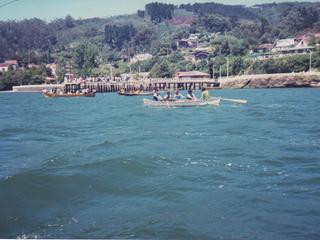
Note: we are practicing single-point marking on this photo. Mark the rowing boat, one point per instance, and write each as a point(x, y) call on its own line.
point(181, 103)
point(56, 95)
point(135, 94)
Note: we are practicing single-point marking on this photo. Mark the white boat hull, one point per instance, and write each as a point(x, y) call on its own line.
point(181, 103)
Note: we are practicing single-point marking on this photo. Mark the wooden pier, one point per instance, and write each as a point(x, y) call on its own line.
point(308, 79)
point(149, 85)
point(114, 86)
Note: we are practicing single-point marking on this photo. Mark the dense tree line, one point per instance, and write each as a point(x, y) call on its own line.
point(274, 11)
point(296, 19)
point(221, 9)
point(214, 23)
point(159, 11)
point(17, 38)
point(31, 36)
point(22, 77)
point(116, 36)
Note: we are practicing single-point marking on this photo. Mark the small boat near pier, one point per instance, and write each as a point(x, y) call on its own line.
point(69, 90)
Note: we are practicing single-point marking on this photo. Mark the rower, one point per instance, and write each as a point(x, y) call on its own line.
point(168, 96)
point(157, 97)
point(178, 95)
point(190, 95)
point(205, 96)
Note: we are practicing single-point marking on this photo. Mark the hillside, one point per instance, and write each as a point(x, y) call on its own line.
point(92, 45)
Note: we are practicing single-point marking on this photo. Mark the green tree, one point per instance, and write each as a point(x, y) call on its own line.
point(159, 11)
point(69, 22)
point(214, 23)
point(116, 36)
point(85, 58)
point(162, 70)
point(226, 45)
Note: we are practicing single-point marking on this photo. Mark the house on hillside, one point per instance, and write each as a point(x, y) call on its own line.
point(317, 35)
point(265, 47)
point(192, 75)
point(285, 43)
point(191, 42)
point(187, 43)
point(291, 46)
point(284, 48)
point(141, 57)
point(7, 64)
point(303, 40)
point(299, 49)
point(183, 43)
point(200, 55)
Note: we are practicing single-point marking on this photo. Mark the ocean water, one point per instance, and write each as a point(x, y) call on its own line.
point(108, 167)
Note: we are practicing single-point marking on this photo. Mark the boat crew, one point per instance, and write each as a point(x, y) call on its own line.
point(178, 95)
point(190, 95)
point(205, 96)
point(157, 97)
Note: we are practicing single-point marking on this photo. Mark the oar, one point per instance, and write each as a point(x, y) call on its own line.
point(235, 100)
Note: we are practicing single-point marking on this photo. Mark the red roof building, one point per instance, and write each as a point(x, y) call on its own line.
point(316, 35)
point(192, 75)
point(265, 47)
point(8, 63)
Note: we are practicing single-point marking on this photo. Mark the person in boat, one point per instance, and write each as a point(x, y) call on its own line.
point(168, 96)
point(157, 97)
point(191, 96)
point(85, 90)
point(205, 96)
point(178, 95)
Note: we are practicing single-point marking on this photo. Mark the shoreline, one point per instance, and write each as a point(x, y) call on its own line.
point(280, 80)
point(257, 81)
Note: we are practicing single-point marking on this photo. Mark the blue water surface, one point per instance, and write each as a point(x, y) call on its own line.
point(108, 167)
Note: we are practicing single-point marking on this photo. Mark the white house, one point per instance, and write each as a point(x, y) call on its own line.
point(141, 57)
point(8, 63)
point(285, 43)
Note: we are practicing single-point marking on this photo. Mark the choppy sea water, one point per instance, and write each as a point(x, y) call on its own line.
point(108, 167)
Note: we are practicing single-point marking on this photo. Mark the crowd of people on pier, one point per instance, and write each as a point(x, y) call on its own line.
point(93, 80)
point(205, 96)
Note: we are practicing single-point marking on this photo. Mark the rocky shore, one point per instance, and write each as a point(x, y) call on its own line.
point(288, 80)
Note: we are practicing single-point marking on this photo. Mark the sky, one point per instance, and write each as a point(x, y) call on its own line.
point(51, 9)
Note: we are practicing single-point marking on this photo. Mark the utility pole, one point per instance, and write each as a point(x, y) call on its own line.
point(111, 72)
point(139, 69)
point(28, 56)
point(310, 62)
point(227, 67)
